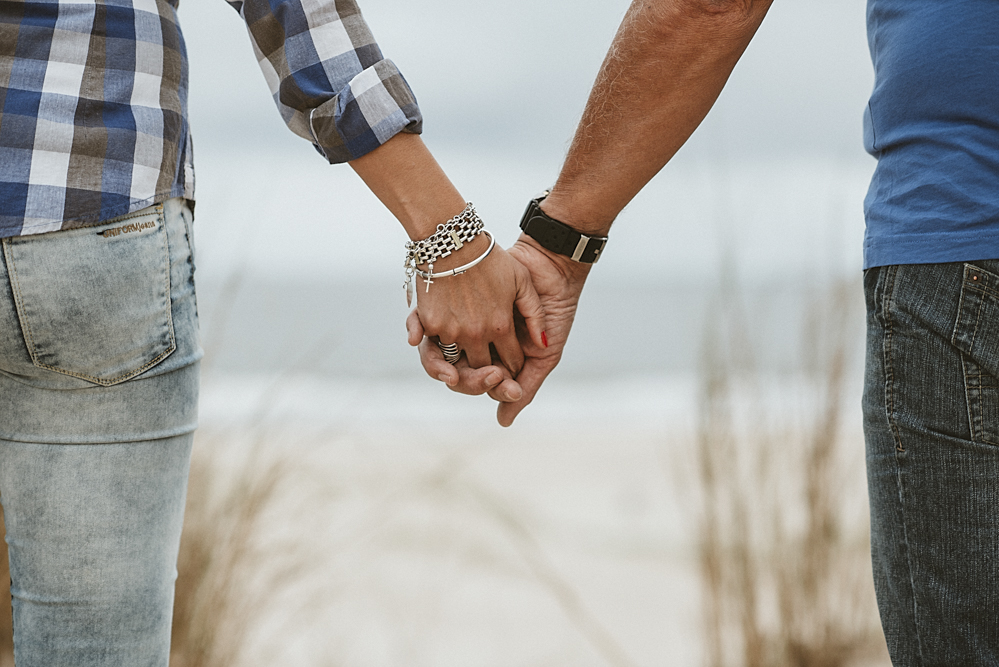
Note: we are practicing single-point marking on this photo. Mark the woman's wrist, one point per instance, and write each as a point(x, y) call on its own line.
point(452, 242)
point(464, 255)
point(406, 178)
point(421, 215)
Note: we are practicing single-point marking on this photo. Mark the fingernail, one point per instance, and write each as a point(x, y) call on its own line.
point(445, 378)
point(493, 379)
point(514, 394)
point(544, 338)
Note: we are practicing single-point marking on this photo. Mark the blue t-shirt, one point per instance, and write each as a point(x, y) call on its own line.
point(933, 124)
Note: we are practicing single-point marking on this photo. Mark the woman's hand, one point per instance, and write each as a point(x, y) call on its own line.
point(476, 310)
point(558, 282)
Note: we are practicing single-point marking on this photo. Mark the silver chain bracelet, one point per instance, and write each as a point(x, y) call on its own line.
point(449, 237)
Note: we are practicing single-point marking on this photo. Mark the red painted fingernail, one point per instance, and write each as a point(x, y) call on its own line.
point(544, 338)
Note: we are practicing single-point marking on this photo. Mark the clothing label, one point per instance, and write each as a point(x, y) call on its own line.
point(126, 229)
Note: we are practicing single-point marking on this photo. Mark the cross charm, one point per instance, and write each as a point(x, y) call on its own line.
point(429, 279)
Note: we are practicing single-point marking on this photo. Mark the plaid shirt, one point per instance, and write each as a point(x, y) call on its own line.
point(93, 100)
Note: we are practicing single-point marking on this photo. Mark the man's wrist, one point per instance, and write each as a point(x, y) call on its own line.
point(573, 271)
point(560, 205)
point(557, 236)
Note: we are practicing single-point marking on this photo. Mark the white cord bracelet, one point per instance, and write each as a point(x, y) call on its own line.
point(430, 275)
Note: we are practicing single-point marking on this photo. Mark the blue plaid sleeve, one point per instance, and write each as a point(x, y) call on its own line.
point(327, 75)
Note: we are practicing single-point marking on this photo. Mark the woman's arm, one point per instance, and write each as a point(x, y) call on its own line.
point(333, 86)
point(473, 309)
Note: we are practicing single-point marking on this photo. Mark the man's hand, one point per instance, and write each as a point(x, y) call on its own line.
point(559, 282)
point(461, 378)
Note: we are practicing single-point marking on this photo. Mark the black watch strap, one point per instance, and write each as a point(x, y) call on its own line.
point(559, 237)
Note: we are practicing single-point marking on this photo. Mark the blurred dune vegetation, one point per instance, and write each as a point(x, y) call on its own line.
point(783, 537)
point(779, 520)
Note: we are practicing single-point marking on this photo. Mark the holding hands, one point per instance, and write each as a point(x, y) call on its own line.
point(474, 311)
point(508, 313)
point(544, 311)
point(511, 314)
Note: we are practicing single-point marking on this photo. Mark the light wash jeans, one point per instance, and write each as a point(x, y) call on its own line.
point(931, 419)
point(99, 355)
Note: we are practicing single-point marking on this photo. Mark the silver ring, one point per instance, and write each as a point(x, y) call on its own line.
point(451, 352)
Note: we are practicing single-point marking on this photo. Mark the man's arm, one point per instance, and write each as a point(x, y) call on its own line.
point(666, 67)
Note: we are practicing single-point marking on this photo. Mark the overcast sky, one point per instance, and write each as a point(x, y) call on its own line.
point(776, 171)
point(516, 74)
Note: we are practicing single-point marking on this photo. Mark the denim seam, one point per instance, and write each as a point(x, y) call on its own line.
point(971, 370)
point(984, 290)
point(115, 440)
point(978, 424)
point(887, 296)
point(960, 312)
point(26, 326)
point(979, 389)
point(984, 286)
point(968, 398)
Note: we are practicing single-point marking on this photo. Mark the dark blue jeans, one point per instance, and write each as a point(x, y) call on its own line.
point(931, 419)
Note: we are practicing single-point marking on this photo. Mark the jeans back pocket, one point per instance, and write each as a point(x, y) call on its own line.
point(94, 303)
point(976, 335)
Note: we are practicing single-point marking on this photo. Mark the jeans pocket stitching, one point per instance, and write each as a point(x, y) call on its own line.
point(987, 284)
point(974, 388)
point(955, 336)
point(15, 285)
point(26, 326)
point(967, 326)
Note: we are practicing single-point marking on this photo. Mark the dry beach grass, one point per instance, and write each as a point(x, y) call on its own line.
point(316, 546)
point(782, 539)
point(400, 538)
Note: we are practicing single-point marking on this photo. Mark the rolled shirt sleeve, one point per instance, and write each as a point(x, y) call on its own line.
point(327, 75)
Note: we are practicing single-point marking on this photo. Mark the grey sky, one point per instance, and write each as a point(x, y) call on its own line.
point(516, 74)
point(777, 170)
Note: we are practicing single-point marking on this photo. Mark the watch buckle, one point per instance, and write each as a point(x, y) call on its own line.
point(583, 243)
point(580, 247)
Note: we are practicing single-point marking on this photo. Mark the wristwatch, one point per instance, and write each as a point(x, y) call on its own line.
point(559, 237)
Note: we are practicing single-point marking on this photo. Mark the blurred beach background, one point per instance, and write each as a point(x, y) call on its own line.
point(354, 512)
